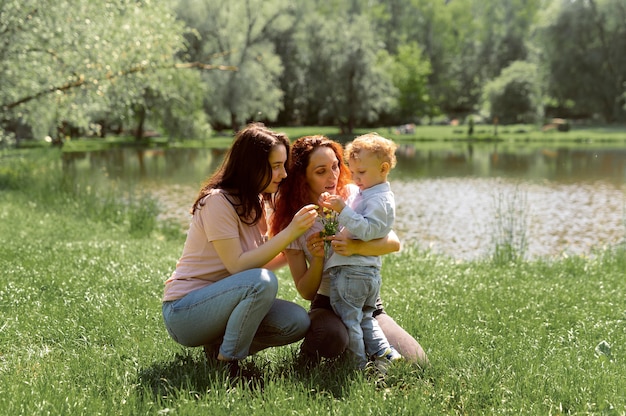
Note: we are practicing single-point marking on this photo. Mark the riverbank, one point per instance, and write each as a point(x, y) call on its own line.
point(423, 134)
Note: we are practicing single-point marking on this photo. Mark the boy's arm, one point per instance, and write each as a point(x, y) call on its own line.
point(375, 221)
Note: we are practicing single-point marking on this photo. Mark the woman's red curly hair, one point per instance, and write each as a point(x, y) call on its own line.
point(294, 191)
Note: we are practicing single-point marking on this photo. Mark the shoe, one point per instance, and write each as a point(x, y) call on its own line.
point(211, 352)
point(383, 358)
point(389, 354)
point(238, 375)
point(376, 372)
point(306, 361)
point(233, 369)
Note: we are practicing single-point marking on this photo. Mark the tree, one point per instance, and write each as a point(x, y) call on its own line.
point(239, 34)
point(347, 77)
point(514, 96)
point(466, 42)
point(583, 44)
point(410, 76)
point(67, 63)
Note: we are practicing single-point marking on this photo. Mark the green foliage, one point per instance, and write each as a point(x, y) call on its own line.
point(15, 171)
point(582, 46)
point(85, 67)
point(82, 323)
point(40, 174)
point(348, 80)
point(410, 76)
point(510, 228)
point(70, 63)
point(143, 217)
point(239, 34)
point(514, 96)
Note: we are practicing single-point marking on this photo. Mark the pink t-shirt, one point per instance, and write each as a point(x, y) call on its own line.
point(199, 264)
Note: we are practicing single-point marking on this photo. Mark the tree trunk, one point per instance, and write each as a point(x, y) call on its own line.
point(234, 123)
point(140, 126)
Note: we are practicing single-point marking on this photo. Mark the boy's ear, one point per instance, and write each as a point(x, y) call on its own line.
point(384, 167)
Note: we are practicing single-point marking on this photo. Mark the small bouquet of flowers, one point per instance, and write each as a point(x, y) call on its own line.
point(331, 227)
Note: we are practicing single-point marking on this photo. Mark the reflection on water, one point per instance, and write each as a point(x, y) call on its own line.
point(445, 196)
point(172, 165)
point(561, 164)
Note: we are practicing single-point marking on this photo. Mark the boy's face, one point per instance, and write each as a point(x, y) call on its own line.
point(367, 170)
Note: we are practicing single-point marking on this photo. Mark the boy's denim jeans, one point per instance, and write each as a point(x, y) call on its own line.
point(240, 312)
point(354, 291)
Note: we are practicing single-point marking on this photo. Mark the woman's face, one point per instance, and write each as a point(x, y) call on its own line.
point(277, 159)
point(322, 172)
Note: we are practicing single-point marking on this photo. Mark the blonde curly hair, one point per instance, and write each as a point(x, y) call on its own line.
point(384, 149)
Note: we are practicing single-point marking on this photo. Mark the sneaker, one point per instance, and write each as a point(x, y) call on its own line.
point(211, 352)
point(376, 372)
point(238, 375)
point(383, 358)
point(389, 354)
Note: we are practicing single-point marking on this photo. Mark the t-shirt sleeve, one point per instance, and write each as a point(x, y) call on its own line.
point(219, 217)
point(297, 244)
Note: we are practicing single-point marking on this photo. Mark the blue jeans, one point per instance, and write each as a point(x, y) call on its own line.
point(354, 291)
point(240, 312)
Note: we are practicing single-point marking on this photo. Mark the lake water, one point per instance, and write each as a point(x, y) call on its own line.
point(453, 199)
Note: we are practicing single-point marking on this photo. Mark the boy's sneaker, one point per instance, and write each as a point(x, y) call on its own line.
point(383, 358)
point(389, 354)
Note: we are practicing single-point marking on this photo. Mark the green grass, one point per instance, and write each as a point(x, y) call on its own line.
point(81, 329)
point(435, 135)
point(525, 133)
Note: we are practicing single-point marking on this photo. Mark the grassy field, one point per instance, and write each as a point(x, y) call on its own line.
point(81, 330)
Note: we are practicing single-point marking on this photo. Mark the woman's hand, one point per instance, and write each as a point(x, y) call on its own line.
point(315, 244)
point(343, 245)
point(346, 246)
point(303, 220)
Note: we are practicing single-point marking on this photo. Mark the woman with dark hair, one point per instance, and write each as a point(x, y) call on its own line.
point(317, 166)
point(222, 294)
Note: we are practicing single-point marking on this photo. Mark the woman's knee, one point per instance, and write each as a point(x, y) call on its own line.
point(301, 320)
point(295, 320)
point(327, 335)
point(266, 283)
point(402, 341)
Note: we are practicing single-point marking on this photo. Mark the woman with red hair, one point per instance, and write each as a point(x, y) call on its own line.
point(316, 166)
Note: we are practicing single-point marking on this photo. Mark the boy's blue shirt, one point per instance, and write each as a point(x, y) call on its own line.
point(369, 216)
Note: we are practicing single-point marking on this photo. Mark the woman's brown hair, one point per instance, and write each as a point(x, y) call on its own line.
point(245, 171)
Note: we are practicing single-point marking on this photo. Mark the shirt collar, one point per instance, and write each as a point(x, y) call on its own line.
point(381, 187)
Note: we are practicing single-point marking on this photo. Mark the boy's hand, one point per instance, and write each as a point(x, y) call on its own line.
point(333, 202)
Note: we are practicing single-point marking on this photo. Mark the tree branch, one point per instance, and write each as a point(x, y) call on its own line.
point(80, 80)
